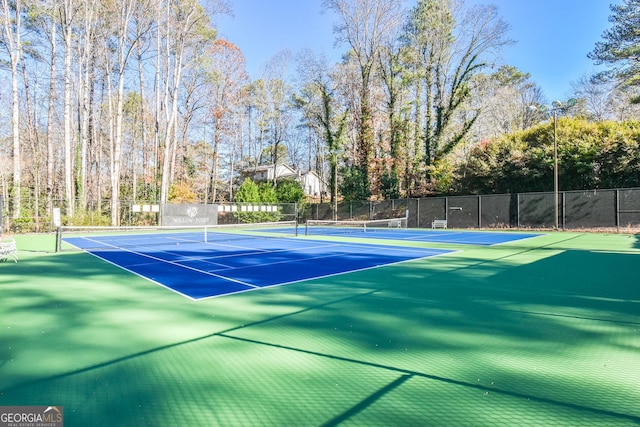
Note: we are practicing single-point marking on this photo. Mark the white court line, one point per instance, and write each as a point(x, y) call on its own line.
point(409, 250)
point(436, 233)
point(324, 276)
point(229, 267)
point(288, 261)
point(209, 273)
point(419, 251)
point(256, 252)
point(255, 287)
point(175, 264)
point(391, 247)
point(532, 236)
point(471, 240)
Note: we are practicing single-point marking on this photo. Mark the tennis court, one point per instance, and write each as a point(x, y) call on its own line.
point(533, 331)
point(223, 263)
point(382, 230)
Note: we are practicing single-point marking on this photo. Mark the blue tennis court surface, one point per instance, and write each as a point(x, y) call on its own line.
point(200, 270)
point(480, 238)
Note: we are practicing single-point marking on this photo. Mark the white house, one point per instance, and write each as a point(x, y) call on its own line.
point(268, 172)
point(311, 183)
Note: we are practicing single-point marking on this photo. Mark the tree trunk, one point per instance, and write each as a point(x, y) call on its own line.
point(12, 38)
point(50, 116)
point(67, 29)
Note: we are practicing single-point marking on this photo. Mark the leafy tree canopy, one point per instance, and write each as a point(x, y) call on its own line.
point(289, 191)
point(620, 48)
point(248, 192)
point(590, 155)
point(353, 186)
point(267, 193)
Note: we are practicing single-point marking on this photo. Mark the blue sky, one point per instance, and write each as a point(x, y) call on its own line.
point(553, 37)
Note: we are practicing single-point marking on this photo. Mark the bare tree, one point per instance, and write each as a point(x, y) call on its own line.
point(47, 21)
point(323, 114)
point(121, 51)
point(395, 85)
point(503, 99)
point(364, 25)
point(145, 26)
point(604, 99)
point(594, 95)
point(621, 104)
point(67, 15)
point(279, 95)
point(450, 44)
point(177, 29)
point(12, 42)
point(227, 79)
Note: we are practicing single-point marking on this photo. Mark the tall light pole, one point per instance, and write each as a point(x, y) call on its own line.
point(555, 107)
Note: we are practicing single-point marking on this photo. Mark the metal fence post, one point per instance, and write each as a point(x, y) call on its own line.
point(446, 209)
point(479, 211)
point(617, 202)
point(564, 208)
point(518, 210)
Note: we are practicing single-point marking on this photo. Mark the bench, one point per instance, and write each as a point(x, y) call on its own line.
point(439, 223)
point(8, 249)
point(395, 223)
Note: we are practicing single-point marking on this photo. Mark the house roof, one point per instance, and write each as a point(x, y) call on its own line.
point(311, 173)
point(268, 167)
point(288, 172)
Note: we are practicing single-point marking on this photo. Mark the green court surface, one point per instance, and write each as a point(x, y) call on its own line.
point(539, 332)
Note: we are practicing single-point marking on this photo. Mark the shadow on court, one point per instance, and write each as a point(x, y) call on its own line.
point(491, 336)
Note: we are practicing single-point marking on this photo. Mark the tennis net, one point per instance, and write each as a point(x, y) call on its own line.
point(110, 237)
point(328, 227)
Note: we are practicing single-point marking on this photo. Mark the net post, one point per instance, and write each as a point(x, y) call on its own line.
point(206, 238)
point(58, 239)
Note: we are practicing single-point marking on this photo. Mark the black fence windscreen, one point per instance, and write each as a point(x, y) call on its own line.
point(430, 209)
point(499, 211)
point(608, 209)
point(589, 209)
point(617, 208)
point(463, 212)
point(629, 208)
point(535, 210)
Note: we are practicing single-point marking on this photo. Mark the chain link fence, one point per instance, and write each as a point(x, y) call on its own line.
point(145, 213)
point(617, 209)
point(606, 210)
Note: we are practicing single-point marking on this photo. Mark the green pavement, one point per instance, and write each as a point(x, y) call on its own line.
point(539, 332)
